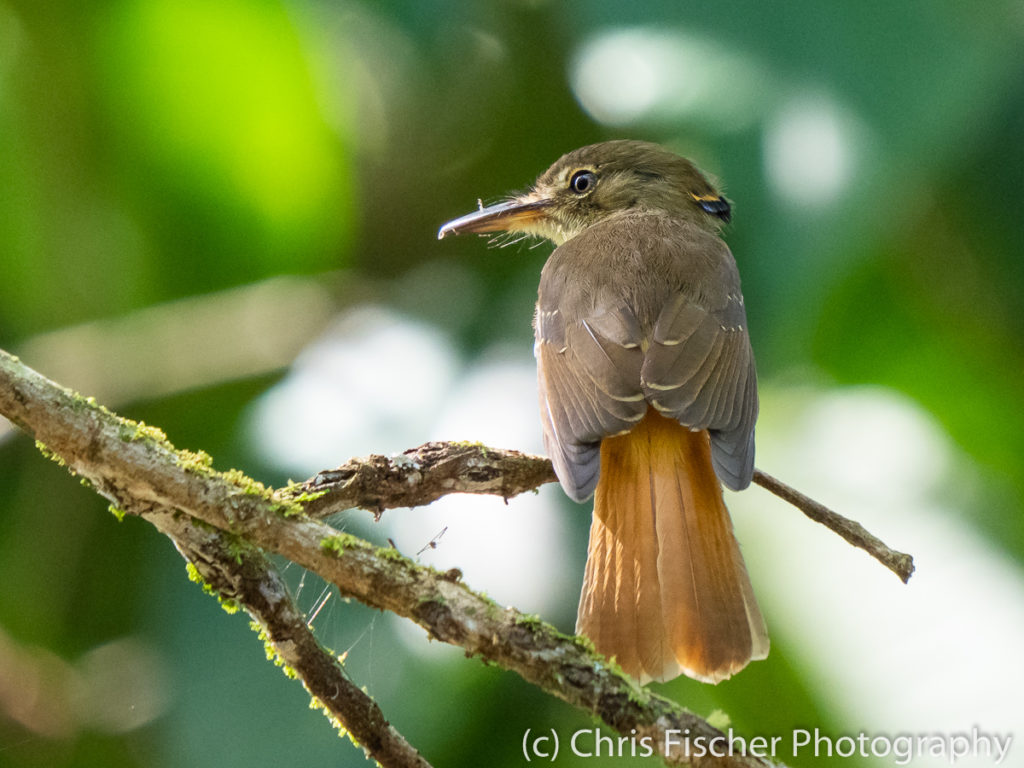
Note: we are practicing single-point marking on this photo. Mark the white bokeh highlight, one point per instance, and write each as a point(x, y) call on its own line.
point(371, 383)
point(378, 382)
point(511, 551)
point(811, 148)
point(627, 75)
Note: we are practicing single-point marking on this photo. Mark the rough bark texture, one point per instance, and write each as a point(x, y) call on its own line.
point(245, 575)
point(223, 522)
point(422, 475)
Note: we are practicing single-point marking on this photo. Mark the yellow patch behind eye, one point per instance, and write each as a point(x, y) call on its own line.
point(706, 198)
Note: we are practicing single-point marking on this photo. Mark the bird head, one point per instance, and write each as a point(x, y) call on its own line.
point(596, 182)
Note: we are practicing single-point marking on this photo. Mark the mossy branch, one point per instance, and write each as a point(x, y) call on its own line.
point(140, 472)
point(222, 522)
point(137, 468)
point(421, 475)
point(241, 574)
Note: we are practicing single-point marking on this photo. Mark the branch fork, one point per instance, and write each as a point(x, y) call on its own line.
point(224, 522)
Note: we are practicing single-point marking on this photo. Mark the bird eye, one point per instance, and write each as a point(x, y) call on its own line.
point(582, 182)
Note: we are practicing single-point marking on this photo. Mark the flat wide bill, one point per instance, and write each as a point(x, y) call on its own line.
point(502, 217)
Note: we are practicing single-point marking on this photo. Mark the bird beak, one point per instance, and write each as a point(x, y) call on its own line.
point(514, 215)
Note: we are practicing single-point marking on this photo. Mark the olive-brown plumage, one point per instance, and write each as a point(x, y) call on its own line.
point(648, 398)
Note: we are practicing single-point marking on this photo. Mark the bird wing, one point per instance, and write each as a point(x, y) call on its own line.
point(589, 375)
point(699, 370)
point(671, 334)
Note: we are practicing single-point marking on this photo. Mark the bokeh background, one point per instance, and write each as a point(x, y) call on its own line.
point(220, 217)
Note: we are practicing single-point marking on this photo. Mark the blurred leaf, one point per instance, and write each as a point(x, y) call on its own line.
point(220, 101)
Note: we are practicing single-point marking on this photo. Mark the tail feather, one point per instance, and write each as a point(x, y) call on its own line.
point(611, 571)
point(642, 522)
point(666, 590)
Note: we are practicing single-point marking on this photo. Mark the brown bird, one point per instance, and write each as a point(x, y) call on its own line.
point(648, 398)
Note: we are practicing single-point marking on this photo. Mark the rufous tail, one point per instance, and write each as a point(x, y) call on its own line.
point(666, 591)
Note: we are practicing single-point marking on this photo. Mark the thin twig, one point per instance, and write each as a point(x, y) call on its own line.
point(899, 563)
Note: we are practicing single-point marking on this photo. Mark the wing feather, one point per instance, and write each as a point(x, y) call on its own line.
point(669, 331)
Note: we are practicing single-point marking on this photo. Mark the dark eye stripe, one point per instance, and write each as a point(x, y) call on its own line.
point(717, 206)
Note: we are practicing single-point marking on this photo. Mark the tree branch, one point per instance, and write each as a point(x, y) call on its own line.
point(138, 469)
point(422, 475)
point(856, 534)
point(242, 573)
point(419, 476)
point(80, 433)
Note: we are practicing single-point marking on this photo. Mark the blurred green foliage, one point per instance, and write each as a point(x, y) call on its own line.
point(157, 149)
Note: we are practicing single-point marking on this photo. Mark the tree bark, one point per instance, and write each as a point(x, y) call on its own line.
point(223, 522)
